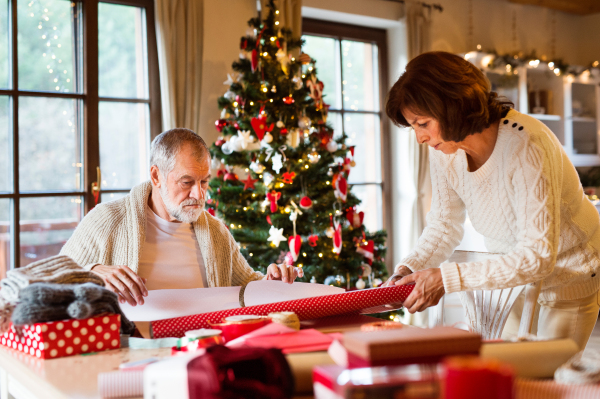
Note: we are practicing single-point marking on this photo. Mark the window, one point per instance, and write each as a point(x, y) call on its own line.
point(78, 91)
point(351, 63)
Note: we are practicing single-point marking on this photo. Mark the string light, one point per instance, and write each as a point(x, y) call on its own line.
point(320, 255)
point(328, 183)
point(276, 22)
point(273, 38)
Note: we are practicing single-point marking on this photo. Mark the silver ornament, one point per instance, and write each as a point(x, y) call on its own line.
point(304, 122)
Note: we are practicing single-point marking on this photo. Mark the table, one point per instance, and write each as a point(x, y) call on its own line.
point(76, 377)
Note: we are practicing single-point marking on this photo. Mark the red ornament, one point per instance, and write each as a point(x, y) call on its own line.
point(249, 182)
point(211, 211)
point(260, 126)
point(341, 187)
point(229, 176)
point(306, 203)
point(220, 142)
point(269, 219)
point(254, 59)
point(295, 242)
point(288, 100)
point(337, 238)
point(355, 218)
point(367, 249)
point(220, 124)
point(221, 173)
point(273, 197)
point(288, 177)
point(283, 131)
point(243, 43)
point(312, 240)
point(324, 137)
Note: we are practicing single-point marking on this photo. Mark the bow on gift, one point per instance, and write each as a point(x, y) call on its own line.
point(273, 197)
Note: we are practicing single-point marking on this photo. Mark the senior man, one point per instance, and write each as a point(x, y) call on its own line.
point(159, 236)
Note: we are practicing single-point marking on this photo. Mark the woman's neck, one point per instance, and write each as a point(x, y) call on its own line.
point(480, 146)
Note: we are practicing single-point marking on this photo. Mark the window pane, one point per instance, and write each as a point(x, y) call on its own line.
point(5, 148)
point(107, 197)
point(370, 196)
point(326, 52)
point(49, 144)
point(4, 237)
point(4, 54)
point(363, 133)
point(124, 137)
point(360, 72)
point(46, 224)
point(121, 51)
point(334, 119)
point(47, 44)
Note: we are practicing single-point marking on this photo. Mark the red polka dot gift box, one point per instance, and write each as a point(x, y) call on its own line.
point(375, 300)
point(65, 338)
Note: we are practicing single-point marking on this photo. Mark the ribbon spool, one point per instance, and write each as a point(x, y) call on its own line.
point(288, 319)
point(196, 340)
point(236, 326)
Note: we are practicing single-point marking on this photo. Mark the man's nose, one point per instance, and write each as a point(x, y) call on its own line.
point(197, 191)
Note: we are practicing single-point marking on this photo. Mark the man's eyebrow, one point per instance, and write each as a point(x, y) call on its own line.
point(208, 177)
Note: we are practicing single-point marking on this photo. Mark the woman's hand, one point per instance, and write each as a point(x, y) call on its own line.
point(429, 289)
point(398, 274)
point(285, 273)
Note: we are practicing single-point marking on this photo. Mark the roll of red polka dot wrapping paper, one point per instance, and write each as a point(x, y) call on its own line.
point(65, 338)
point(363, 301)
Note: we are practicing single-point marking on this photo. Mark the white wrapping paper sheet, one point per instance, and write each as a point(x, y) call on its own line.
point(166, 304)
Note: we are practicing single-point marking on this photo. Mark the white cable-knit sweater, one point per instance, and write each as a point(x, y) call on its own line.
point(114, 233)
point(527, 202)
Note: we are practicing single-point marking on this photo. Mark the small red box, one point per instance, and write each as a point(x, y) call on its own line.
point(65, 338)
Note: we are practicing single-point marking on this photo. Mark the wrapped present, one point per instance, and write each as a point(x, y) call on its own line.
point(363, 301)
point(408, 345)
point(65, 338)
point(413, 381)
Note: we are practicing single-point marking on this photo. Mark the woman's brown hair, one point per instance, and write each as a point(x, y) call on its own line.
point(450, 89)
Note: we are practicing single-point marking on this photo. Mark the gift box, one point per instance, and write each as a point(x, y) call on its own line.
point(408, 345)
point(65, 338)
point(401, 382)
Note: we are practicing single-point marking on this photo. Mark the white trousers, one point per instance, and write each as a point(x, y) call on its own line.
point(573, 319)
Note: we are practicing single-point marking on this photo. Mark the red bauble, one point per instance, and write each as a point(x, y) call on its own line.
point(269, 219)
point(230, 177)
point(306, 203)
point(211, 211)
point(220, 124)
point(312, 240)
point(283, 131)
point(221, 173)
point(288, 100)
point(220, 142)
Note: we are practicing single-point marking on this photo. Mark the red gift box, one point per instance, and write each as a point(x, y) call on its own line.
point(65, 338)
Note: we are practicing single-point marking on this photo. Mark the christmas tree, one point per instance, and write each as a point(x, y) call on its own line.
point(281, 185)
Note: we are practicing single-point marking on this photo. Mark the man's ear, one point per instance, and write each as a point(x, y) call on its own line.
point(155, 176)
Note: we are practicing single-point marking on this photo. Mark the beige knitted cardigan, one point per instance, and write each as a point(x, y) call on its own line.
point(114, 233)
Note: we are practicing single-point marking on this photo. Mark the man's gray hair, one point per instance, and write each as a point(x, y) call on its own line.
point(166, 146)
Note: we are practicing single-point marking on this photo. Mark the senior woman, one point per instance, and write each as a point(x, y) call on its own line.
point(521, 191)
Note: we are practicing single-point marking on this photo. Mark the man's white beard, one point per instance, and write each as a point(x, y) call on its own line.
point(179, 212)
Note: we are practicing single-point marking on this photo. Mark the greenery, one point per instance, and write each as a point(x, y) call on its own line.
point(276, 88)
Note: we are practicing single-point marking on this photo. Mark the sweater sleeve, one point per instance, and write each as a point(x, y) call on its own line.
point(445, 220)
point(537, 179)
point(242, 273)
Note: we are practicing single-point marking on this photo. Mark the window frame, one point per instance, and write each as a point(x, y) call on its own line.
point(341, 31)
point(88, 117)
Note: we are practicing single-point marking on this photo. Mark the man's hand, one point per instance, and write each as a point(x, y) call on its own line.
point(429, 289)
point(130, 287)
point(402, 271)
point(285, 273)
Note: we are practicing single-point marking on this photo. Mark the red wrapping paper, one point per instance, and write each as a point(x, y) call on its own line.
point(362, 301)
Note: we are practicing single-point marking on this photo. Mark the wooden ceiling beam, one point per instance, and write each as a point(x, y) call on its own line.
point(580, 7)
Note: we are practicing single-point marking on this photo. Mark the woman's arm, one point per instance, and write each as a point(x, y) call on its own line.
point(445, 221)
point(537, 181)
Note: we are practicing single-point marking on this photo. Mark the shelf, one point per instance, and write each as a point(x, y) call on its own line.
point(584, 119)
point(546, 117)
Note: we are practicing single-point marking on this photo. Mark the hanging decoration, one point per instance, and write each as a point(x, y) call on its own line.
point(306, 203)
point(355, 218)
point(341, 187)
point(273, 197)
point(260, 126)
point(276, 236)
point(249, 182)
point(337, 238)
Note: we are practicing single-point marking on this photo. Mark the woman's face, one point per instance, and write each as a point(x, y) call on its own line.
point(428, 131)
